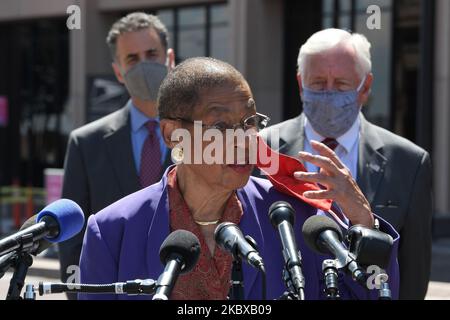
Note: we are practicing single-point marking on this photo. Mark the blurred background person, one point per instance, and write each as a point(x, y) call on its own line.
point(122, 152)
point(335, 79)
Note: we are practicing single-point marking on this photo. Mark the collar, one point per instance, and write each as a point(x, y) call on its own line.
point(159, 226)
point(138, 119)
point(347, 140)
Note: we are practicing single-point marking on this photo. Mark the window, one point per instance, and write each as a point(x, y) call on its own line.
point(379, 108)
point(191, 32)
point(198, 30)
point(352, 15)
point(220, 32)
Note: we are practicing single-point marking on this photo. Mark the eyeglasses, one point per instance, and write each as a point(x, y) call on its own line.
point(257, 121)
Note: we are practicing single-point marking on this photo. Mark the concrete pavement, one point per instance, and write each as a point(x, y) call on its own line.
point(43, 269)
point(439, 287)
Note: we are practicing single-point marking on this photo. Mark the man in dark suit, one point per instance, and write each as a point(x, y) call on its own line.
point(124, 151)
point(334, 75)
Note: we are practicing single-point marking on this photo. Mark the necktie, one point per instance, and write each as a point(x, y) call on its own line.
point(330, 143)
point(333, 144)
point(150, 171)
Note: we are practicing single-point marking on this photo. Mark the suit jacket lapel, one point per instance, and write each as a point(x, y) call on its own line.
point(118, 142)
point(159, 229)
point(371, 162)
point(251, 226)
point(292, 137)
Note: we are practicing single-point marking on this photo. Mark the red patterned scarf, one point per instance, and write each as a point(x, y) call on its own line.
point(210, 279)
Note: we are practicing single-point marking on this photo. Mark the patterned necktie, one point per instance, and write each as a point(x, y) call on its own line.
point(150, 171)
point(330, 143)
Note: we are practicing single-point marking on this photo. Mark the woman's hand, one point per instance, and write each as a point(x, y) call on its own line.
point(339, 183)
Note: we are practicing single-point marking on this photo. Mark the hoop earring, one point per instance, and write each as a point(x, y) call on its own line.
point(177, 155)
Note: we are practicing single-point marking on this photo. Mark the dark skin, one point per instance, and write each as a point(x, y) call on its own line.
point(228, 104)
point(232, 104)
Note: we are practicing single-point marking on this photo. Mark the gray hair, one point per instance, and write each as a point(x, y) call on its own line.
point(330, 38)
point(180, 91)
point(132, 22)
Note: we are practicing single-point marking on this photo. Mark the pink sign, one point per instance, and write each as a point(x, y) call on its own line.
point(53, 184)
point(3, 111)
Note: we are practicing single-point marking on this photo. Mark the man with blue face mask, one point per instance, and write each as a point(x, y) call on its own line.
point(123, 152)
point(334, 76)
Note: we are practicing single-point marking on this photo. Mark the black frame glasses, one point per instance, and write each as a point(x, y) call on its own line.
point(256, 121)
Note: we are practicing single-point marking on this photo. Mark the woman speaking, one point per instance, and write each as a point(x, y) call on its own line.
point(122, 241)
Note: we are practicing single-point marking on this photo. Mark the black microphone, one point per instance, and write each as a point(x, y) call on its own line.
point(9, 259)
point(230, 238)
point(282, 217)
point(41, 244)
point(179, 253)
point(324, 236)
point(57, 222)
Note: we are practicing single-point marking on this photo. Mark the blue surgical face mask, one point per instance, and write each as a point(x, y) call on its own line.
point(331, 113)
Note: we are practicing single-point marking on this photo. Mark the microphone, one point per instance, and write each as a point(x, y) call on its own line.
point(324, 236)
point(57, 222)
point(9, 259)
point(230, 238)
point(41, 244)
point(282, 217)
point(133, 287)
point(179, 253)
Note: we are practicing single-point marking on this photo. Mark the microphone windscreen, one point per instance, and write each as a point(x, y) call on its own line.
point(314, 226)
point(218, 232)
point(184, 244)
point(281, 211)
point(43, 244)
point(69, 216)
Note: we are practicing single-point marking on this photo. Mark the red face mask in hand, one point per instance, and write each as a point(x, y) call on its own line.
point(283, 180)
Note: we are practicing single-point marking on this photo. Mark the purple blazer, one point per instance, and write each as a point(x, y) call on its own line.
point(122, 243)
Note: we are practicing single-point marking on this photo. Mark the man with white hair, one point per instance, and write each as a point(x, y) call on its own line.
point(334, 77)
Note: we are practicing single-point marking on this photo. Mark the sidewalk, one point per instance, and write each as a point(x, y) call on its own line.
point(43, 269)
point(439, 287)
point(440, 264)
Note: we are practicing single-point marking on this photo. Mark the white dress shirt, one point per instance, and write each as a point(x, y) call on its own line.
point(347, 150)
